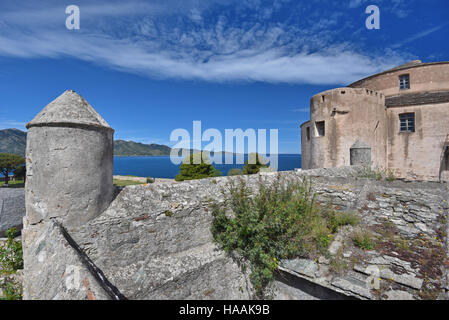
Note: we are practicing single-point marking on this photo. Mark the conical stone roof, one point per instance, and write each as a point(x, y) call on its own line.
point(66, 110)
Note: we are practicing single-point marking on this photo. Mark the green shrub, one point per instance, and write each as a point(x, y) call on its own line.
point(11, 253)
point(11, 290)
point(189, 170)
point(279, 221)
point(254, 163)
point(234, 172)
point(150, 180)
point(10, 261)
point(390, 176)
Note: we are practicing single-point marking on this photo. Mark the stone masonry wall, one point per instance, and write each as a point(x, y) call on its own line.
point(408, 221)
point(154, 242)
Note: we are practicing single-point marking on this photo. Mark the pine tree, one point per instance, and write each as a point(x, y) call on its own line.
point(190, 170)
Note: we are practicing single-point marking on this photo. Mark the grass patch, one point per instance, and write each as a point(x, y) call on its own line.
point(124, 183)
point(363, 239)
point(279, 221)
point(13, 184)
point(384, 174)
point(336, 219)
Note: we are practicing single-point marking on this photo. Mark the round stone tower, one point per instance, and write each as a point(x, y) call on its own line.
point(69, 158)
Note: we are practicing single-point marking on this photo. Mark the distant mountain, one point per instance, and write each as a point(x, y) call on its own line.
point(131, 148)
point(13, 141)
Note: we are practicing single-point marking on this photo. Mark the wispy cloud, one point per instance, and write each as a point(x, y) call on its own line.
point(301, 110)
point(182, 40)
point(419, 35)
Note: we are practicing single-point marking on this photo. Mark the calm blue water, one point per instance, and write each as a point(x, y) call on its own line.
point(162, 167)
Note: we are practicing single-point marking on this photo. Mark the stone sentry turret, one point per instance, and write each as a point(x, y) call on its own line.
point(69, 158)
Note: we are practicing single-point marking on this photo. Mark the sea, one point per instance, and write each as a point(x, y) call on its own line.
point(162, 167)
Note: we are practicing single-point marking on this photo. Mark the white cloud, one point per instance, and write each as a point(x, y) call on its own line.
point(172, 47)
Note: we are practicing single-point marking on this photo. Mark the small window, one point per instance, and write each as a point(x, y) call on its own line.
point(446, 159)
point(407, 122)
point(320, 128)
point(308, 133)
point(404, 82)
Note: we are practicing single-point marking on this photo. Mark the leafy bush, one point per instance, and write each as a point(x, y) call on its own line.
point(11, 291)
point(279, 221)
point(254, 163)
point(234, 172)
point(11, 253)
point(190, 169)
point(10, 261)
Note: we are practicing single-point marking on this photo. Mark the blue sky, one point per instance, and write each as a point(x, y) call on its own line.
point(149, 67)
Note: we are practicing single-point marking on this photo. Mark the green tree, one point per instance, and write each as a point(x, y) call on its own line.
point(9, 163)
point(234, 172)
point(190, 170)
point(20, 172)
point(254, 163)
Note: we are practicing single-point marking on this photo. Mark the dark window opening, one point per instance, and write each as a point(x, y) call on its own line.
point(404, 82)
point(322, 98)
point(446, 159)
point(308, 133)
point(407, 122)
point(320, 128)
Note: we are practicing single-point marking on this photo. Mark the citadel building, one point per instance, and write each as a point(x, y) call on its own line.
point(396, 120)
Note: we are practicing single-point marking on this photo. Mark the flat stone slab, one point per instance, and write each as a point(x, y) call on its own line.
point(399, 295)
point(352, 285)
point(12, 209)
point(302, 266)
